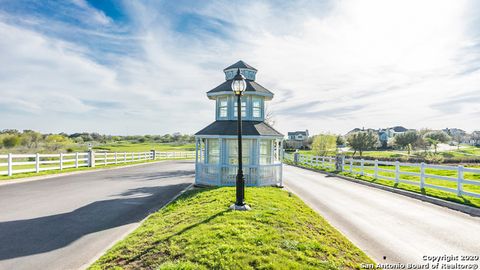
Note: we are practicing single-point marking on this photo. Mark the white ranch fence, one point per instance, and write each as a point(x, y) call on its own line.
point(458, 179)
point(34, 163)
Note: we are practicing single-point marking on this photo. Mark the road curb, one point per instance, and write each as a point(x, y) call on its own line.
point(48, 176)
point(123, 236)
point(451, 205)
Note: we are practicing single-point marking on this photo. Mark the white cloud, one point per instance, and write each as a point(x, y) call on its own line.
point(332, 65)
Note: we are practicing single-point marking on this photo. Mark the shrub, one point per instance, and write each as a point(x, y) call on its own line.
point(434, 158)
point(11, 141)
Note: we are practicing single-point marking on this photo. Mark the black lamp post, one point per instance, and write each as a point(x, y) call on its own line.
point(238, 87)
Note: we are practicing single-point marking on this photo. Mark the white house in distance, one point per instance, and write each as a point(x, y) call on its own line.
point(297, 139)
point(216, 144)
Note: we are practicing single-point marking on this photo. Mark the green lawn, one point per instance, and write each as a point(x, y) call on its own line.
point(468, 152)
point(468, 200)
point(144, 147)
point(121, 146)
point(33, 174)
point(433, 181)
point(197, 231)
point(114, 147)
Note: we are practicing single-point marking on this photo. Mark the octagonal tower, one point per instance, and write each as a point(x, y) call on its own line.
point(216, 144)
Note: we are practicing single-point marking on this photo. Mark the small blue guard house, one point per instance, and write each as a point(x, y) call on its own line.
point(216, 144)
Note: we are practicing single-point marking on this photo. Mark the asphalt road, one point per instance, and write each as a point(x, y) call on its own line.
point(65, 222)
point(386, 224)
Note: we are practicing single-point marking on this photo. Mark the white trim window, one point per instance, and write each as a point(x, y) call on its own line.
point(265, 152)
point(256, 108)
point(213, 153)
point(232, 146)
point(244, 109)
point(222, 107)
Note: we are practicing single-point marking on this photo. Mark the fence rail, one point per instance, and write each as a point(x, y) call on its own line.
point(11, 164)
point(455, 179)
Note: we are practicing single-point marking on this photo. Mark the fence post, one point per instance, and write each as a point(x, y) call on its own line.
point(76, 160)
point(154, 154)
point(133, 156)
point(339, 163)
point(104, 158)
point(397, 171)
point(124, 157)
point(295, 158)
point(361, 166)
point(91, 158)
point(422, 175)
point(10, 165)
point(37, 162)
point(61, 161)
point(460, 180)
point(351, 165)
point(375, 172)
point(116, 161)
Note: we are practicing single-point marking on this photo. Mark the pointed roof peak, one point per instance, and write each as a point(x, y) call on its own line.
point(240, 64)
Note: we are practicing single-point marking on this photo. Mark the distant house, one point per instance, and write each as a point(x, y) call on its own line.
point(384, 134)
point(458, 135)
point(454, 132)
point(297, 139)
point(393, 131)
point(474, 138)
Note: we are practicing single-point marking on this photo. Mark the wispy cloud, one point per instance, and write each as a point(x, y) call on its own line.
point(333, 65)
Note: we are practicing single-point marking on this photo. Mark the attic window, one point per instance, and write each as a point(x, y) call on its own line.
point(256, 108)
point(244, 109)
point(223, 107)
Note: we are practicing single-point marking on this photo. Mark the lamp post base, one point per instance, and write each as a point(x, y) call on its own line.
point(244, 207)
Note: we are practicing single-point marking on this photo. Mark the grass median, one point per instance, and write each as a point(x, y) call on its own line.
point(197, 231)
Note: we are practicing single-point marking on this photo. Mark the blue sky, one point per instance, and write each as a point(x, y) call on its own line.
point(138, 67)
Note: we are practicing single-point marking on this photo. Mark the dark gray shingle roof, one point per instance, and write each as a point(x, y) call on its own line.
point(399, 129)
point(249, 128)
point(252, 86)
point(304, 133)
point(240, 64)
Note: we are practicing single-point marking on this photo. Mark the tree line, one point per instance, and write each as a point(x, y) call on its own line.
point(30, 140)
point(368, 140)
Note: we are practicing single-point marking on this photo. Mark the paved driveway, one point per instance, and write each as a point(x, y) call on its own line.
point(386, 224)
point(64, 222)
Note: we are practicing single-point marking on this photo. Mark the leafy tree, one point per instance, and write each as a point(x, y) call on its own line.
point(10, 131)
point(323, 143)
point(363, 140)
point(340, 141)
point(406, 139)
point(11, 141)
point(409, 148)
point(436, 137)
point(57, 141)
point(458, 138)
point(476, 138)
point(31, 139)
